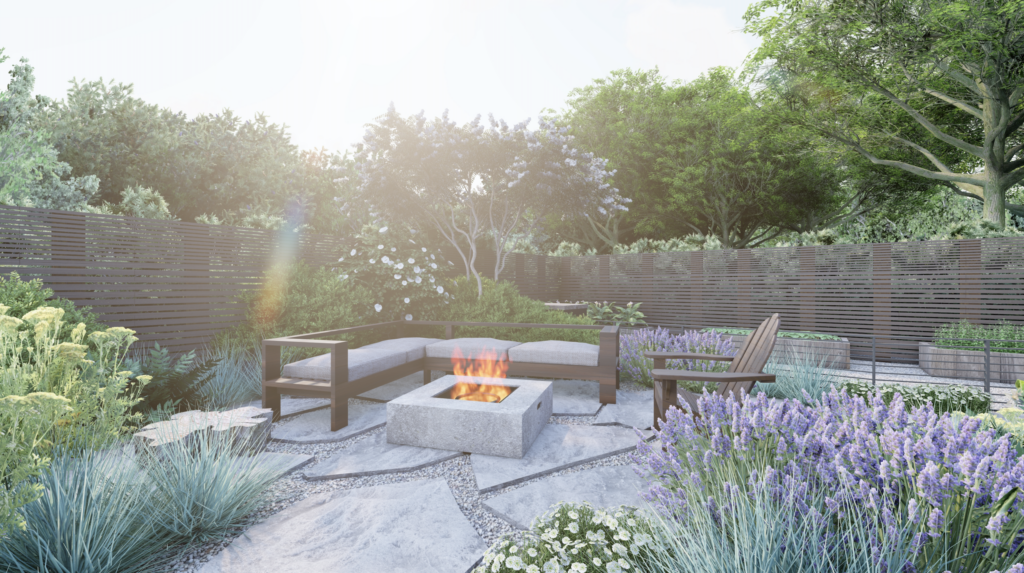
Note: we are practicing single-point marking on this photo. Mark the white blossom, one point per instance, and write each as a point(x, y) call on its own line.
point(353, 253)
point(406, 300)
point(408, 316)
point(440, 290)
point(377, 307)
point(383, 229)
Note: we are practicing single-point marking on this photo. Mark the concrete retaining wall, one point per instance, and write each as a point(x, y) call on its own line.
point(1005, 367)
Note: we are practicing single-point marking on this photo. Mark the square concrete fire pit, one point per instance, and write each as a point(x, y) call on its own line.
point(428, 418)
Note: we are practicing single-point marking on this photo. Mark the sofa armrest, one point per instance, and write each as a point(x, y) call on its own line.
point(338, 350)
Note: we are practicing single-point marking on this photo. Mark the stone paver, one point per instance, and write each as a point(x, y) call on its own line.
point(293, 406)
point(315, 427)
point(245, 424)
point(413, 527)
point(601, 487)
point(284, 463)
point(576, 397)
point(557, 447)
point(631, 409)
point(392, 390)
point(375, 455)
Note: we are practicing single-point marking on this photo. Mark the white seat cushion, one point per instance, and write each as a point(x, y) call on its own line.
point(470, 347)
point(556, 352)
point(413, 347)
point(361, 363)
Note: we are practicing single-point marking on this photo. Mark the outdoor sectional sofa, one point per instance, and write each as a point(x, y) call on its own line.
point(342, 373)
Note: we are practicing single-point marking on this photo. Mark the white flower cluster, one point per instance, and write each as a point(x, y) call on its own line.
point(573, 539)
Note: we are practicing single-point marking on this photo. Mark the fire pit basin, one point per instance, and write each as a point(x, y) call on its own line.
point(428, 418)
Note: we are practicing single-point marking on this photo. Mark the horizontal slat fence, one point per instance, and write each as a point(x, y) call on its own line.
point(897, 293)
point(172, 282)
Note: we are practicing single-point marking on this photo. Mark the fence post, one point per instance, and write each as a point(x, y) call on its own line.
point(988, 366)
point(807, 288)
point(970, 279)
point(696, 285)
point(881, 294)
point(874, 365)
point(743, 279)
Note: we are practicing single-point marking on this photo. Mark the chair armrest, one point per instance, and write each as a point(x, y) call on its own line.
point(661, 357)
point(337, 348)
point(608, 347)
point(692, 376)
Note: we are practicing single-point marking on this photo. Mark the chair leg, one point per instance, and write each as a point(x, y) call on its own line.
point(272, 400)
point(339, 413)
point(606, 391)
point(664, 398)
point(426, 376)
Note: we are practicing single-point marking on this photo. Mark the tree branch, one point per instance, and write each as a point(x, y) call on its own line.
point(952, 177)
point(928, 125)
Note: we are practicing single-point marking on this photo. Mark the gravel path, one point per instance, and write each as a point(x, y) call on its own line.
point(457, 472)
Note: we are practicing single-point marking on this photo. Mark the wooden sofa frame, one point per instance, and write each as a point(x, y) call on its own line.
point(339, 388)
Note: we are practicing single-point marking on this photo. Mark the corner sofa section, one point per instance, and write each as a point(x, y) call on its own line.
point(341, 373)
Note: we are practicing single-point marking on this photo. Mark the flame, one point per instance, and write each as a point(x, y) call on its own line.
point(487, 365)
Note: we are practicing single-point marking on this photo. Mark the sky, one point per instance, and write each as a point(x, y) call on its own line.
point(327, 68)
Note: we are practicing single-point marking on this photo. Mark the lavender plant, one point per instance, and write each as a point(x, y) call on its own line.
point(635, 367)
point(950, 490)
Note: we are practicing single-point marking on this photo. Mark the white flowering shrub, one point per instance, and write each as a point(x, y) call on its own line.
point(404, 275)
point(574, 538)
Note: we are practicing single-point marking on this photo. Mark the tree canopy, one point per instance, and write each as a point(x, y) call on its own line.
point(953, 68)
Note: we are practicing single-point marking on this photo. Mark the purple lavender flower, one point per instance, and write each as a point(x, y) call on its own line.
point(637, 368)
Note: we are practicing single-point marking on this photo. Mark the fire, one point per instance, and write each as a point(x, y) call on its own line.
point(487, 365)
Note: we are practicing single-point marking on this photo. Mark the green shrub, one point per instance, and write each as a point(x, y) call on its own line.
point(610, 313)
point(951, 398)
point(963, 335)
point(577, 538)
point(782, 334)
point(24, 296)
point(1007, 421)
point(501, 302)
point(798, 376)
point(175, 384)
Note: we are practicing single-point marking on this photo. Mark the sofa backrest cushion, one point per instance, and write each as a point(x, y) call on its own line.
point(470, 348)
point(413, 347)
point(556, 352)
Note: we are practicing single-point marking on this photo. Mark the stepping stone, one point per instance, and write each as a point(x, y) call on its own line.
point(557, 447)
point(315, 427)
point(404, 528)
point(631, 409)
point(575, 397)
point(375, 455)
point(295, 406)
point(244, 424)
point(606, 487)
point(285, 463)
point(392, 390)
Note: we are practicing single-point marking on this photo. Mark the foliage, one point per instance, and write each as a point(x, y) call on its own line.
point(501, 302)
point(139, 202)
point(637, 368)
point(802, 376)
point(104, 511)
point(94, 516)
point(609, 313)
point(577, 538)
point(1008, 421)
point(31, 174)
point(236, 376)
point(174, 384)
point(208, 489)
point(472, 182)
point(1002, 336)
point(939, 79)
point(25, 424)
point(930, 493)
point(782, 334)
point(1020, 393)
point(943, 398)
point(24, 296)
point(90, 376)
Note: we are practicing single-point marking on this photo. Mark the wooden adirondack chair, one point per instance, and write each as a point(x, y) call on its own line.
point(746, 368)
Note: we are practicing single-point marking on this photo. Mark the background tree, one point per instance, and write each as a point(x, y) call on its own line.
point(625, 118)
point(952, 67)
point(470, 181)
point(31, 173)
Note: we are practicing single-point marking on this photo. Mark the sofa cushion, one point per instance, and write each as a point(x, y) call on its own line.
point(556, 352)
point(470, 347)
point(413, 347)
point(361, 363)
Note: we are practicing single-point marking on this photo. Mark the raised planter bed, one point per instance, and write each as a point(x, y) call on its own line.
point(832, 353)
point(1006, 367)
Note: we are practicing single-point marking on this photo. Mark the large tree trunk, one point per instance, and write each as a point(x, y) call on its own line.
point(994, 210)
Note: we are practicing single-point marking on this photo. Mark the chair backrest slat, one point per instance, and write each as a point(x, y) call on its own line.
point(753, 355)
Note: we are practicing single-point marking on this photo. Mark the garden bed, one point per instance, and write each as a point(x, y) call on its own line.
point(1005, 367)
point(829, 353)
